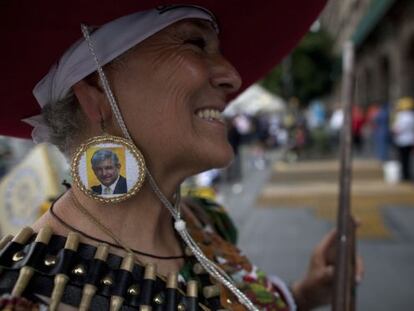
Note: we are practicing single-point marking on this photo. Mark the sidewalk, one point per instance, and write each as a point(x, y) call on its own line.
point(284, 210)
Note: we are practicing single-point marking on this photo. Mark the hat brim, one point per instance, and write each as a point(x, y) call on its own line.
point(254, 36)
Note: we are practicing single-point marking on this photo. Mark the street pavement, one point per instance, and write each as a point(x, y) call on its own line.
point(283, 210)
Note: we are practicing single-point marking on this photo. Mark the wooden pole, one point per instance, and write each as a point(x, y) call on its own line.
point(344, 287)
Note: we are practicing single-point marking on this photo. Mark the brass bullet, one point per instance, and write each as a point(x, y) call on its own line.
point(102, 252)
point(44, 235)
point(127, 265)
point(128, 262)
point(61, 280)
point(211, 291)
point(150, 271)
point(116, 303)
point(26, 273)
point(192, 289)
point(25, 276)
point(172, 280)
point(88, 292)
point(59, 287)
point(23, 236)
point(72, 241)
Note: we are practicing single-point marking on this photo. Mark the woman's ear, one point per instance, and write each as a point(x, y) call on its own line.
point(92, 101)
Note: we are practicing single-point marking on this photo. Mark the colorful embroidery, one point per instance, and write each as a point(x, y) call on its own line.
point(219, 246)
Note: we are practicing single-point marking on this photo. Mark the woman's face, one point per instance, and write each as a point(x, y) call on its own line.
point(171, 89)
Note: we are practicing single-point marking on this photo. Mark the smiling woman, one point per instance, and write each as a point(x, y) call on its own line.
point(194, 78)
point(149, 85)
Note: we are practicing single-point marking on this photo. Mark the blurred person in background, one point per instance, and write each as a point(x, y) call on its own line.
point(244, 126)
point(260, 140)
point(403, 134)
point(335, 125)
point(381, 132)
point(234, 170)
point(368, 130)
point(358, 121)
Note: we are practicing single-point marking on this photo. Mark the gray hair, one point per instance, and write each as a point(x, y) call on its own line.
point(65, 118)
point(65, 121)
point(104, 154)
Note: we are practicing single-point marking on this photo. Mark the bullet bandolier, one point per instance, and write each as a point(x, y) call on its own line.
point(40, 269)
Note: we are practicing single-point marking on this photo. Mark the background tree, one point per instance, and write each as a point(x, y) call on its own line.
point(308, 72)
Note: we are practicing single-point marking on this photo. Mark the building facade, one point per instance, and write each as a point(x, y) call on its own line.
point(383, 34)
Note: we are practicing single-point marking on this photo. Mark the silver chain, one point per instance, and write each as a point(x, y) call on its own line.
point(214, 270)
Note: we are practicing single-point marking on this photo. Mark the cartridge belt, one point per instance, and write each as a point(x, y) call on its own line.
point(81, 268)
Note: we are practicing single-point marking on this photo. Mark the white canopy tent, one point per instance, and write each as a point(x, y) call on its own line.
point(255, 99)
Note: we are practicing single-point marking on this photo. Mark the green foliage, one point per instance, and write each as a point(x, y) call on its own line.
point(273, 81)
point(308, 72)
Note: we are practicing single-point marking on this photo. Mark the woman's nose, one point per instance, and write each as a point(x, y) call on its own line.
point(224, 76)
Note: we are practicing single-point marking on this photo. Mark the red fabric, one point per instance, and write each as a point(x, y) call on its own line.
point(255, 35)
point(358, 120)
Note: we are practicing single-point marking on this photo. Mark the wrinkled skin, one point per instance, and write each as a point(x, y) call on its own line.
point(167, 79)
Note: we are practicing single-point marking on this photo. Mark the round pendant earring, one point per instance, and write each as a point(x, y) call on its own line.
point(108, 168)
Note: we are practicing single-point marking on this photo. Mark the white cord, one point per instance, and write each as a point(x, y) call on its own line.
point(179, 225)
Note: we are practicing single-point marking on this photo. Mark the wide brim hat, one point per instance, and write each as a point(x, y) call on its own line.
point(254, 36)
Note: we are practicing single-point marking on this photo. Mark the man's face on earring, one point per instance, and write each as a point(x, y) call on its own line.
point(107, 172)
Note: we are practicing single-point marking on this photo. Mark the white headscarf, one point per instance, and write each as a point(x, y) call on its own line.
point(110, 41)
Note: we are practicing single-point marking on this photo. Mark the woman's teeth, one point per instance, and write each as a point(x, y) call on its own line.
point(210, 114)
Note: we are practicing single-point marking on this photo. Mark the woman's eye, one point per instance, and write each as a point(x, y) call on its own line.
point(198, 42)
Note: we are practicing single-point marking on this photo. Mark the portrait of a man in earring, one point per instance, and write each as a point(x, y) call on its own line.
point(106, 167)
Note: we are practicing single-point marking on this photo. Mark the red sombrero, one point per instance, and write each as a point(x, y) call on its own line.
point(255, 35)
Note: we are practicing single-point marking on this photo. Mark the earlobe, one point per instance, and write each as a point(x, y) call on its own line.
point(92, 101)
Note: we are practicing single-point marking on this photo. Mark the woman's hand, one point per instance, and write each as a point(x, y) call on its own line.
point(316, 288)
